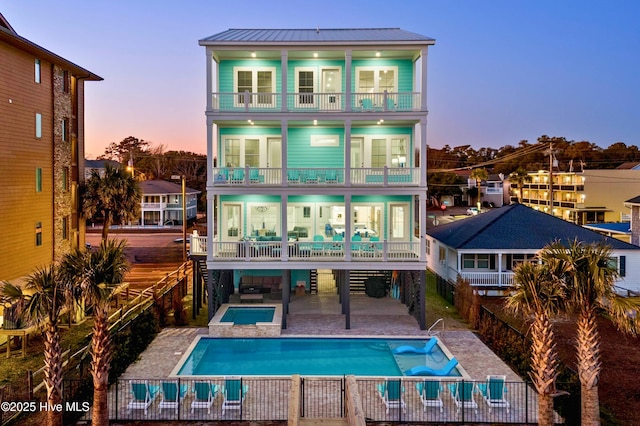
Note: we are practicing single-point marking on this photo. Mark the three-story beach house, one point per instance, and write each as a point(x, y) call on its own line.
point(316, 145)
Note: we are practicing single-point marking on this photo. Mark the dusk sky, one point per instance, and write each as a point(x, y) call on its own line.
point(501, 70)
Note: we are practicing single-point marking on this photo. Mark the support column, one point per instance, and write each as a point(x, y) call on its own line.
point(347, 227)
point(284, 253)
point(422, 298)
point(195, 284)
point(423, 152)
point(422, 225)
point(346, 301)
point(283, 154)
point(423, 78)
point(286, 295)
point(210, 301)
point(283, 65)
point(347, 80)
point(347, 152)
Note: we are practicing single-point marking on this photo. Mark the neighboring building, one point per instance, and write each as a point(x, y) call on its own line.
point(590, 196)
point(162, 203)
point(41, 154)
point(315, 132)
point(99, 166)
point(634, 205)
point(484, 249)
point(491, 190)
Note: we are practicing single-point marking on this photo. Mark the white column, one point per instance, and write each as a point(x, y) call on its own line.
point(283, 153)
point(347, 227)
point(284, 226)
point(212, 137)
point(209, 79)
point(422, 224)
point(423, 152)
point(499, 268)
point(284, 69)
point(423, 83)
point(347, 79)
point(347, 152)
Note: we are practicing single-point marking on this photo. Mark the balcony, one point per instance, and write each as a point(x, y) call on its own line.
point(488, 279)
point(331, 177)
point(325, 251)
point(316, 102)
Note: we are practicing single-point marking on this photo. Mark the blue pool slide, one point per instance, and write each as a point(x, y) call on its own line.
point(423, 370)
point(428, 347)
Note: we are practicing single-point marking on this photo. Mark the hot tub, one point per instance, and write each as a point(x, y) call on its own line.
point(232, 320)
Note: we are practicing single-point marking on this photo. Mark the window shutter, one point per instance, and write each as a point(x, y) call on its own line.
point(623, 265)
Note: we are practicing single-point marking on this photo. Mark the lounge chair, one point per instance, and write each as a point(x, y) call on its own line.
point(429, 392)
point(367, 104)
point(293, 176)
point(234, 393)
point(172, 394)
point(142, 395)
point(391, 392)
point(204, 393)
point(317, 247)
point(493, 392)
point(356, 244)
point(462, 394)
point(331, 176)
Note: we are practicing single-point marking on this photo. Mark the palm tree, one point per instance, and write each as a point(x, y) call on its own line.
point(519, 177)
point(115, 196)
point(537, 295)
point(589, 274)
point(479, 175)
point(42, 300)
point(99, 274)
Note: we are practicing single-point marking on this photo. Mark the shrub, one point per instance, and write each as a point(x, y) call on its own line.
point(179, 312)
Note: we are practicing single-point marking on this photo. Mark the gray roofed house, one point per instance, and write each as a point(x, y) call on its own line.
point(485, 248)
point(162, 203)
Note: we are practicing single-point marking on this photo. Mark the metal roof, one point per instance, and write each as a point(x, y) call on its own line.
point(164, 187)
point(319, 35)
point(516, 227)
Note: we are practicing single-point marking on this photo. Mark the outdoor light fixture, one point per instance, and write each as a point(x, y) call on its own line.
point(253, 54)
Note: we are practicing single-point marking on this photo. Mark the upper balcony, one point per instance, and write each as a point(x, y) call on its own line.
point(235, 102)
point(332, 177)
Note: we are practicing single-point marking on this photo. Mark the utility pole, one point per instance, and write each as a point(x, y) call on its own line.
point(552, 162)
point(184, 214)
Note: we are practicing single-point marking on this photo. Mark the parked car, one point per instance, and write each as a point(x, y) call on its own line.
point(472, 211)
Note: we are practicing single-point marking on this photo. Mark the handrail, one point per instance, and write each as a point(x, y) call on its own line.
point(439, 320)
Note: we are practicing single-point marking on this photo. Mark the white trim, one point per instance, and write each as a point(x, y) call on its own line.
point(254, 83)
point(376, 69)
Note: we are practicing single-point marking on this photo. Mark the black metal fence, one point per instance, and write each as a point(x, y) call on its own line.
point(417, 400)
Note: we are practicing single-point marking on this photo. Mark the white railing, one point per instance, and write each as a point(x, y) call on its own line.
point(151, 205)
point(316, 102)
point(261, 176)
point(479, 279)
point(254, 250)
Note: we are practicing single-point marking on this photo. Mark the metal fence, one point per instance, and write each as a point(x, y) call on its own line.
point(417, 400)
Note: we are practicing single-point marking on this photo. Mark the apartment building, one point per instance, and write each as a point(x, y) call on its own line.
point(41, 153)
point(589, 196)
point(314, 143)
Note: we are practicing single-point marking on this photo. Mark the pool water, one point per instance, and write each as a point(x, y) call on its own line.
point(244, 316)
point(306, 356)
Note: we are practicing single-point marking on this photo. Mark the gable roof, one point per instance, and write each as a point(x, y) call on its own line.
point(516, 227)
point(164, 187)
point(319, 35)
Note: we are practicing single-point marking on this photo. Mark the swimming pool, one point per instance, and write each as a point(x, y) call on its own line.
point(306, 356)
point(242, 315)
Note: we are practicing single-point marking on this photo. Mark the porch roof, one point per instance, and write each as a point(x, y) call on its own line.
point(319, 35)
point(516, 227)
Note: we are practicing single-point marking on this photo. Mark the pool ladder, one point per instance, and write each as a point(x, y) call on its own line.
point(436, 332)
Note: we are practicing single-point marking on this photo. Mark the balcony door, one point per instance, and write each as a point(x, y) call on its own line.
point(231, 228)
point(274, 153)
point(357, 160)
point(398, 222)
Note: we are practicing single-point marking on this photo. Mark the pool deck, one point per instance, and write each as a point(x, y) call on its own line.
point(319, 315)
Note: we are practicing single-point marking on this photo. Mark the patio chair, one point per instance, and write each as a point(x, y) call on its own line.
point(172, 394)
point(494, 392)
point(356, 244)
point(204, 393)
point(367, 104)
point(429, 392)
point(293, 176)
point(234, 393)
point(142, 395)
point(373, 247)
point(311, 176)
point(338, 245)
point(254, 175)
point(462, 394)
point(237, 176)
point(317, 247)
point(391, 392)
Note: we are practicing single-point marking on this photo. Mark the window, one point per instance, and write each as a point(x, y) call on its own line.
point(477, 261)
point(306, 211)
point(514, 260)
point(442, 255)
point(37, 69)
point(619, 264)
point(39, 179)
point(398, 152)
point(378, 152)
point(65, 179)
point(376, 79)
point(305, 84)
point(232, 152)
point(255, 80)
point(428, 247)
point(65, 228)
point(65, 81)
point(38, 125)
point(65, 130)
point(252, 153)
point(38, 233)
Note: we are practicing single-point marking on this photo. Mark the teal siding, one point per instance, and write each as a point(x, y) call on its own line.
point(317, 65)
point(300, 153)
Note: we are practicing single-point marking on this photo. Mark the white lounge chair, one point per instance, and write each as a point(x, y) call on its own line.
point(462, 394)
point(429, 391)
point(204, 393)
point(234, 393)
point(494, 392)
point(391, 392)
point(142, 395)
point(172, 395)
